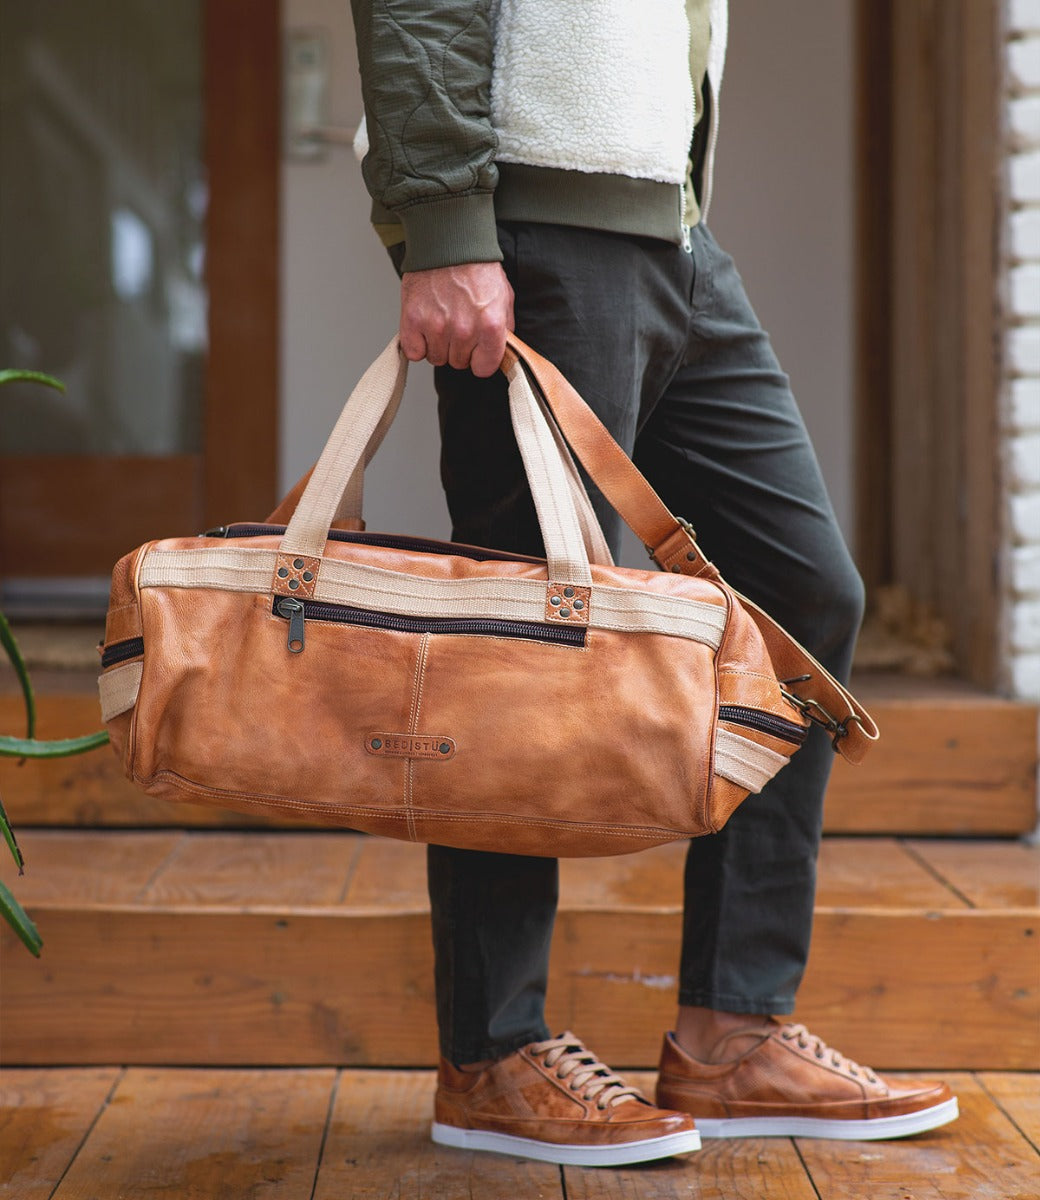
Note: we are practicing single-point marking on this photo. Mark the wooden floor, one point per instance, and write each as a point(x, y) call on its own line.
point(112, 1133)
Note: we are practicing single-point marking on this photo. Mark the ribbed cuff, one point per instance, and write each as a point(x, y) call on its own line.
point(445, 233)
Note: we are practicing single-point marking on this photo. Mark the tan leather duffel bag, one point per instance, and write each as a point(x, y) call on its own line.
point(451, 694)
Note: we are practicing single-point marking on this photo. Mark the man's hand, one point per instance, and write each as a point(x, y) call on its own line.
point(457, 315)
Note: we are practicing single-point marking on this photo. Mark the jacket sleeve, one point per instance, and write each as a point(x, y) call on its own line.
point(426, 83)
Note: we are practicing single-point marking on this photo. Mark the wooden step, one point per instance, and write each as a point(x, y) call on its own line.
point(952, 761)
point(169, 947)
point(308, 1134)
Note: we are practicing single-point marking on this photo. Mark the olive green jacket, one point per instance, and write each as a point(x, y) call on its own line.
point(431, 168)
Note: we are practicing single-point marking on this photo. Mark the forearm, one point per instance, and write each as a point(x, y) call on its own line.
point(426, 78)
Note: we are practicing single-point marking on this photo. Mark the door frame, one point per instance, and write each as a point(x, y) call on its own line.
point(928, 328)
point(75, 515)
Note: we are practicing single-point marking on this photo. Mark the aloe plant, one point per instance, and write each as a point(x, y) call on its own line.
point(29, 746)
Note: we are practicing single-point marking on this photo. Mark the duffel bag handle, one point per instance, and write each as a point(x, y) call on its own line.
point(378, 391)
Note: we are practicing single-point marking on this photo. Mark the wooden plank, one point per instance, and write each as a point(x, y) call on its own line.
point(182, 986)
point(205, 1133)
point(379, 1146)
point(389, 877)
point(1018, 1095)
point(981, 1156)
point(936, 990)
point(876, 873)
point(987, 874)
point(255, 870)
point(943, 766)
point(44, 1117)
point(723, 1169)
point(83, 868)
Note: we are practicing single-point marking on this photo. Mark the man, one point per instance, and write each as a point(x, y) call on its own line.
point(549, 166)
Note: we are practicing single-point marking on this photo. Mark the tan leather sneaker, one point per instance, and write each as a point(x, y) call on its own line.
point(554, 1101)
point(783, 1081)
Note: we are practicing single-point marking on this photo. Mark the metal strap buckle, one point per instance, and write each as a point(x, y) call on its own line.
point(816, 713)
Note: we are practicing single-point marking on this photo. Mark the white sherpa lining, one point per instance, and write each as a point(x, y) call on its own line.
point(601, 87)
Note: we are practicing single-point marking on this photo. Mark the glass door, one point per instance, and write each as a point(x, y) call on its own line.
point(114, 232)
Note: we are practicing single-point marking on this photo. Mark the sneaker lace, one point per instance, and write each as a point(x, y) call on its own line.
point(809, 1041)
point(590, 1078)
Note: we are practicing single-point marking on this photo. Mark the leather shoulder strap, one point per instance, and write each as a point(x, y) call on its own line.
point(671, 544)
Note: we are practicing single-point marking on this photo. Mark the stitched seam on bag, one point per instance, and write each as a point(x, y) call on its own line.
point(413, 728)
point(659, 832)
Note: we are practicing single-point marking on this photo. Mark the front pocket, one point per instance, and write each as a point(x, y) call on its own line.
point(298, 612)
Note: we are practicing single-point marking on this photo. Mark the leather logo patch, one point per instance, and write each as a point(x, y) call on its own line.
point(410, 745)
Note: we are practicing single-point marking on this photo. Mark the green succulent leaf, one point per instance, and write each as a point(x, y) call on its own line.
point(14, 376)
point(9, 838)
point(10, 645)
point(12, 747)
point(13, 913)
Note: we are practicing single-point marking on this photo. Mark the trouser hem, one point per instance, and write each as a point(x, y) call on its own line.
point(771, 1006)
point(482, 1051)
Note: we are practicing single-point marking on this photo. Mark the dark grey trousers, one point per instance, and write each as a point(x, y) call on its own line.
point(664, 346)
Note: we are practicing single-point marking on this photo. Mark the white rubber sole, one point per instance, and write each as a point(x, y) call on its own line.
point(569, 1156)
point(851, 1131)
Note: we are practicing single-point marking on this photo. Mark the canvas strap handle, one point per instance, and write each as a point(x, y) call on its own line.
point(378, 391)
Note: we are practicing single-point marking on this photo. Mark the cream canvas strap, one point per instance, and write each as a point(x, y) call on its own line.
point(360, 421)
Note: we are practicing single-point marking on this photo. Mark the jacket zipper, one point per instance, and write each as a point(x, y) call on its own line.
point(390, 541)
point(297, 611)
point(751, 718)
point(120, 651)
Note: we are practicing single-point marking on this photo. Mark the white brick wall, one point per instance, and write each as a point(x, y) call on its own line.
point(1021, 364)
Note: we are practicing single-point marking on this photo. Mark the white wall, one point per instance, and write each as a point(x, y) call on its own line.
point(782, 207)
point(1020, 423)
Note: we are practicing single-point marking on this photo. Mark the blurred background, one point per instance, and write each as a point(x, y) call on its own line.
point(184, 241)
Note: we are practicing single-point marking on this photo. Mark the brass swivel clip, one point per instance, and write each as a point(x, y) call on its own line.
point(816, 713)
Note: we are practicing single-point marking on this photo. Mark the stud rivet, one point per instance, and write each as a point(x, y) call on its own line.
point(555, 600)
point(690, 556)
point(565, 612)
point(444, 747)
point(294, 584)
point(568, 592)
point(376, 743)
point(579, 604)
point(675, 569)
point(282, 572)
point(297, 563)
point(308, 576)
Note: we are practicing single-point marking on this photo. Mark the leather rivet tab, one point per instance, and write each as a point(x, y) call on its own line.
point(295, 575)
point(569, 610)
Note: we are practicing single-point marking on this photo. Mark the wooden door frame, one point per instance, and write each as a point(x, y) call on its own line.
point(75, 515)
point(928, 333)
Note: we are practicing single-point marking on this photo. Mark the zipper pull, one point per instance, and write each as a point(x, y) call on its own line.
point(293, 610)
